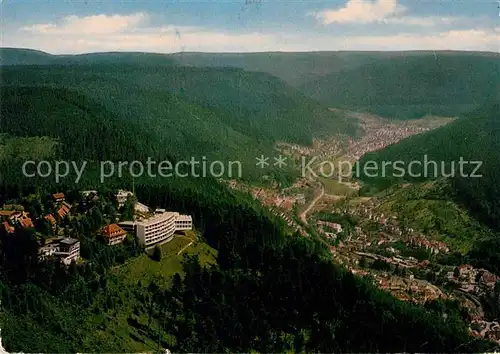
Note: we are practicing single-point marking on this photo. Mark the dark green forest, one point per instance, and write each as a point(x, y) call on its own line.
point(396, 85)
point(223, 114)
point(412, 86)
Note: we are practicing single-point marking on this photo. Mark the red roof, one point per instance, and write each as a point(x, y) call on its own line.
point(51, 219)
point(26, 222)
point(63, 211)
point(8, 227)
point(57, 196)
point(113, 230)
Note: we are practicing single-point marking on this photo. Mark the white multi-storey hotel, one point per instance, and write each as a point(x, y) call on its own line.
point(160, 227)
point(183, 222)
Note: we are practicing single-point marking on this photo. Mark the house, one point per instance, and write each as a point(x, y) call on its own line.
point(113, 234)
point(26, 222)
point(69, 250)
point(48, 250)
point(87, 198)
point(488, 278)
point(58, 197)
point(89, 194)
point(8, 228)
point(122, 196)
point(63, 210)
point(66, 250)
point(50, 218)
point(287, 204)
point(9, 214)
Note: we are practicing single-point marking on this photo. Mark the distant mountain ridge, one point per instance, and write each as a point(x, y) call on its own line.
point(401, 85)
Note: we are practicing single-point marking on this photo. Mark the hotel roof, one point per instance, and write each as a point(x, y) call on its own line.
point(69, 241)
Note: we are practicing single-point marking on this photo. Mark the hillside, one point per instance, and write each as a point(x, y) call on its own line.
point(241, 302)
point(474, 137)
point(18, 56)
point(405, 87)
point(294, 68)
point(224, 114)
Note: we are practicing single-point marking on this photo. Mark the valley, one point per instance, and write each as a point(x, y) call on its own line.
point(378, 237)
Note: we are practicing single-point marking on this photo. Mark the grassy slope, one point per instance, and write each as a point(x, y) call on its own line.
point(143, 269)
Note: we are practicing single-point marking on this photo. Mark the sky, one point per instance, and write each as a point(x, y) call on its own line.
point(166, 26)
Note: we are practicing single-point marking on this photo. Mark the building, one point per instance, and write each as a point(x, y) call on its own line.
point(89, 194)
point(26, 222)
point(141, 208)
point(158, 228)
point(58, 197)
point(183, 222)
point(64, 210)
point(69, 250)
point(8, 228)
point(66, 249)
point(50, 218)
point(10, 215)
point(48, 250)
point(113, 234)
point(6, 214)
point(122, 196)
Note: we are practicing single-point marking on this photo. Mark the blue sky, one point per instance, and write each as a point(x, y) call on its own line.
point(166, 26)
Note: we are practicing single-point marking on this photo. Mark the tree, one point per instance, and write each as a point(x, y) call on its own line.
point(157, 254)
point(128, 209)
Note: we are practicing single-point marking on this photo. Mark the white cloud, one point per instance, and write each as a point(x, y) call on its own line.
point(131, 33)
point(379, 11)
point(361, 11)
point(97, 24)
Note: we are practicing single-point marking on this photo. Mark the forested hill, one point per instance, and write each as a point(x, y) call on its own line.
point(412, 86)
point(401, 85)
point(222, 113)
point(474, 137)
point(18, 56)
